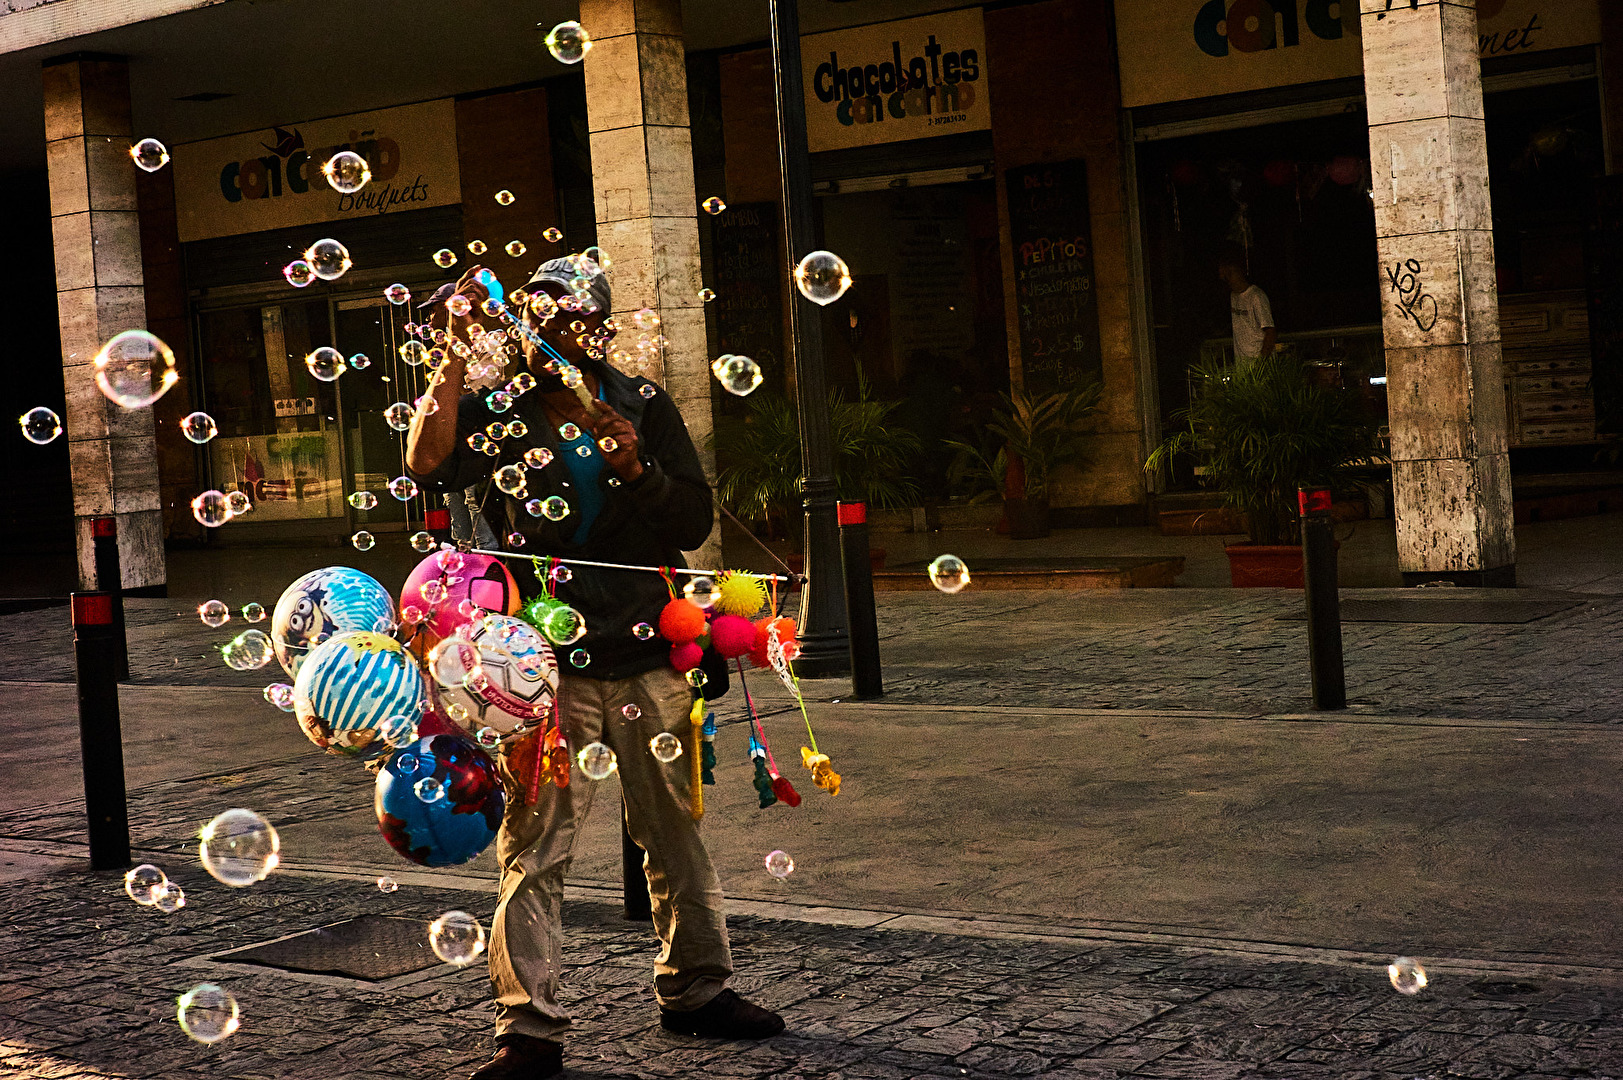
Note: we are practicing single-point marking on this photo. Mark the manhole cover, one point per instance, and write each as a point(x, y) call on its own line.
point(372, 947)
point(1446, 611)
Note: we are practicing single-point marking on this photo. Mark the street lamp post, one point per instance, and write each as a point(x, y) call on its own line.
point(824, 641)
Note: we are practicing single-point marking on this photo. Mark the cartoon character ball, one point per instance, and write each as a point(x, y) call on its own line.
point(518, 679)
point(439, 801)
point(323, 603)
point(358, 694)
point(479, 578)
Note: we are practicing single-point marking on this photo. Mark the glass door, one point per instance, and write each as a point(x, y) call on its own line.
point(279, 437)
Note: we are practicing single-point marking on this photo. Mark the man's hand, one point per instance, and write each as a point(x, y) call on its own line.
point(607, 424)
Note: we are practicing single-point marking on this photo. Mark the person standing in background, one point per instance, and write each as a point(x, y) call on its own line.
point(1249, 310)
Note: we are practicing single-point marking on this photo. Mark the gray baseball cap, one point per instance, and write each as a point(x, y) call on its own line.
point(564, 271)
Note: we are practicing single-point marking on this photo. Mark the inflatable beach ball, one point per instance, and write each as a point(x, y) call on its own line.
point(323, 603)
point(517, 681)
point(359, 694)
point(439, 801)
point(477, 578)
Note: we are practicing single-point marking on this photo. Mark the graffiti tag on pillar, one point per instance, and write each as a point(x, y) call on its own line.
point(1414, 5)
point(1413, 301)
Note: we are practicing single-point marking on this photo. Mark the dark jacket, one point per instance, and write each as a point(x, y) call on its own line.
point(650, 522)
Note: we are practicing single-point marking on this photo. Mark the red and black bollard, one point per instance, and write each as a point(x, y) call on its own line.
point(110, 580)
point(438, 523)
point(1323, 600)
point(101, 741)
point(867, 678)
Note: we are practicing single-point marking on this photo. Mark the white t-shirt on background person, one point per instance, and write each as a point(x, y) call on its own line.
point(1252, 316)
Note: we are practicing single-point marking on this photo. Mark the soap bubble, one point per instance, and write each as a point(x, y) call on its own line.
point(538, 457)
point(458, 305)
point(347, 172)
point(211, 509)
point(779, 864)
point(563, 625)
point(597, 761)
point(199, 427)
point(299, 273)
point(477, 247)
point(493, 307)
point(496, 430)
point(432, 592)
point(135, 369)
point(360, 361)
point(645, 318)
point(498, 401)
point(551, 236)
point(397, 294)
point(413, 352)
point(422, 541)
point(248, 651)
point(822, 277)
point(427, 403)
point(280, 694)
point(214, 613)
point(488, 737)
point(456, 937)
point(253, 612)
point(144, 883)
point(562, 574)
point(1407, 976)
point(40, 425)
point(647, 390)
point(713, 205)
point(738, 375)
point(207, 1014)
point(328, 259)
point(149, 155)
point(632, 711)
point(702, 591)
point(429, 790)
point(580, 658)
point(568, 42)
point(533, 507)
point(325, 363)
point(696, 678)
point(398, 416)
point(665, 747)
point(387, 885)
point(238, 503)
point(363, 540)
point(363, 500)
point(707, 295)
point(553, 508)
point(515, 248)
point(239, 848)
point(515, 539)
point(569, 432)
point(505, 197)
point(445, 258)
point(170, 899)
point(403, 488)
point(509, 479)
point(455, 663)
point(949, 574)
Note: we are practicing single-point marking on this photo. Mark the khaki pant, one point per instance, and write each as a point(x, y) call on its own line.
point(536, 841)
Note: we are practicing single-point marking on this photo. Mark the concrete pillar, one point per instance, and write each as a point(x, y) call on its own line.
point(647, 209)
point(97, 240)
point(1440, 317)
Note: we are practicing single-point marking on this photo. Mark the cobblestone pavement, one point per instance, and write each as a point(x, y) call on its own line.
point(1220, 649)
point(90, 980)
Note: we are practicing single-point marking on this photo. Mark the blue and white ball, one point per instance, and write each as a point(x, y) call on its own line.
point(359, 694)
point(323, 603)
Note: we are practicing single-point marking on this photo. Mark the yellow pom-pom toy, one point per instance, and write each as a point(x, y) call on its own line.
point(739, 594)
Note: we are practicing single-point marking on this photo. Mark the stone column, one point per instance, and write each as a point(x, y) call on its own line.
point(1440, 315)
point(647, 209)
point(112, 451)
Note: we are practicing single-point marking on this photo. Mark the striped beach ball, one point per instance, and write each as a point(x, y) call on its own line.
point(359, 694)
point(323, 603)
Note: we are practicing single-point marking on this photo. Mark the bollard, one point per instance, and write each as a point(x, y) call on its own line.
point(101, 743)
point(1323, 600)
point(867, 679)
point(639, 906)
point(110, 579)
point(438, 523)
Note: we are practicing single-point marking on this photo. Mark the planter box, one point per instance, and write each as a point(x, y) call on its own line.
point(1265, 566)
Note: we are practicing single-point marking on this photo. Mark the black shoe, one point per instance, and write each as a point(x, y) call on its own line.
point(725, 1016)
point(522, 1057)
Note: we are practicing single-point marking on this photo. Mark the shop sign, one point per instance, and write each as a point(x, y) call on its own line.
point(1171, 50)
point(898, 80)
point(271, 178)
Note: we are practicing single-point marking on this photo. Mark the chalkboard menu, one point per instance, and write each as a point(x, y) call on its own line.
point(1054, 292)
point(746, 317)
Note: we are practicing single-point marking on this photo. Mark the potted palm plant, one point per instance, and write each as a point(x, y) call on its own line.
point(1261, 430)
point(872, 458)
point(1028, 439)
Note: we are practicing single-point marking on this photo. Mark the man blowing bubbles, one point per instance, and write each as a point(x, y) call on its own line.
point(636, 494)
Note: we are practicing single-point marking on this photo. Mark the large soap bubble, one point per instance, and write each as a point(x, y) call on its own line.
point(568, 42)
point(135, 369)
point(822, 277)
point(207, 1013)
point(239, 848)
